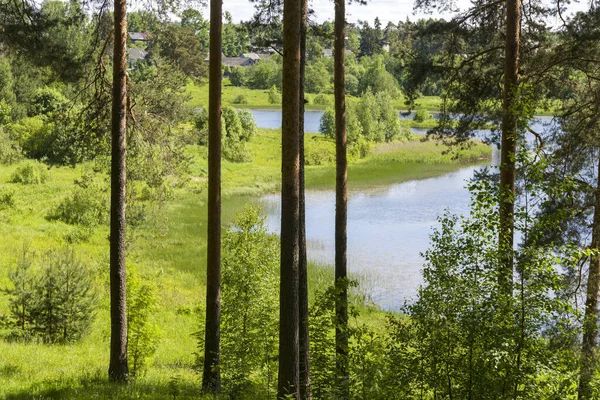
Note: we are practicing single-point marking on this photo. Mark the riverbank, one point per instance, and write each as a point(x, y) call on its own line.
point(170, 252)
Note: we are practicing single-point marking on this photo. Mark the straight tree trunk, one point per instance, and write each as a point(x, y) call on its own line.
point(211, 376)
point(509, 144)
point(118, 369)
point(289, 364)
point(305, 393)
point(590, 322)
point(341, 205)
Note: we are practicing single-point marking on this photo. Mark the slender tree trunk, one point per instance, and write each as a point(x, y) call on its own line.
point(305, 393)
point(289, 321)
point(211, 377)
point(118, 369)
point(509, 144)
point(590, 322)
point(341, 205)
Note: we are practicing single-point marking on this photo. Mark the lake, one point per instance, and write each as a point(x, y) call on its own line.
point(388, 227)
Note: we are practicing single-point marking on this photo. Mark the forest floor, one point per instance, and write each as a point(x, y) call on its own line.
point(170, 251)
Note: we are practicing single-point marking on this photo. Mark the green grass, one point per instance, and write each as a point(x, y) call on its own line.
point(172, 254)
point(259, 98)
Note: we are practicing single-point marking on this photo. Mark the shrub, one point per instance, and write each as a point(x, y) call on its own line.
point(86, 206)
point(10, 151)
point(249, 127)
point(143, 333)
point(7, 199)
point(5, 110)
point(30, 173)
point(241, 99)
point(422, 115)
point(56, 303)
point(238, 76)
point(249, 304)
point(322, 100)
point(48, 100)
point(274, 95)
point(201, 124)
point(327, 123)
point(319, 152)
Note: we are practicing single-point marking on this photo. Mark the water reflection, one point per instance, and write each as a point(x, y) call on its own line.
point(388, 228)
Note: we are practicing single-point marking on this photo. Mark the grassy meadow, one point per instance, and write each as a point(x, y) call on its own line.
point(170, 251)
point(259, 99)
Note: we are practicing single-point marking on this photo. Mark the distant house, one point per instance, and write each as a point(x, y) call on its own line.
point(328, 53)
point(135, 56)
point(238, 61)
point(244, 61)
point(140, 38)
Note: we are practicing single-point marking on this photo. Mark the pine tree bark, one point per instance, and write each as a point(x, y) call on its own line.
point(118, 369)
point(590, 322)
point(509, 144)
point(211, 376)
point(289, 365)
point(341, 205)
point(305, 393)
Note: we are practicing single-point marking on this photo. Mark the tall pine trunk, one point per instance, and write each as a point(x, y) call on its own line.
point(590, 322)
point(118, 369)
point(341, 205)
point(211, 377)
point(289, 364)
point(304, 348)
point(509, 144)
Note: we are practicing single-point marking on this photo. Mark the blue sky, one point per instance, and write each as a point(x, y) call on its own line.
point(386, 10)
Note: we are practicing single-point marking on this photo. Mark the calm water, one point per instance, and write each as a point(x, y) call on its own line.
point(388, 227)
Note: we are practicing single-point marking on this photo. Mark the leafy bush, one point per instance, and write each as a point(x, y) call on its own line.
point(249, 127)
point(86, 206)
point(327, 123)
point(319, 152)
point(5, 110)
point(142, 332)
point(322, 100)
point(10, 151)
point(241, 99)
point(235, 136)
point(274, 95)
point(30, 173)
point(238, 77)
point(201, 124)
point(7, 199)
point(48, 100)
point(422, 115)
point(55, 303)
point(249, 305)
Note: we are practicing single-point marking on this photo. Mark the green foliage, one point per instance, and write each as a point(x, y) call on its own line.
point(249, 128)
point(201, 127)
point(274, 95)
point(321, 100)
point(249, 308)
point(469, 338)
point(86, 207)
point(48, 101)
point(55, 303)
point(5, 109)
point(236, 135)
point(317, 78)
point(327, 123)
point(265, 74)
point(142, 331)
point(239, 76)
point(7, 199)
point(422, 116)
point(241, 99)
point(10, 151)
point(351, 84)
point(319, 152)
point(30, 173)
